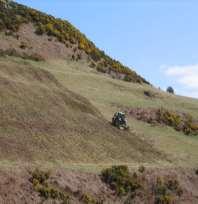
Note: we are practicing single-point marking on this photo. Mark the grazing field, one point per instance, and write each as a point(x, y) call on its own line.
point(110, 95)
point(43, 120)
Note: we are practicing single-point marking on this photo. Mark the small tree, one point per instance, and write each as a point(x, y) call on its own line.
point(170, 90)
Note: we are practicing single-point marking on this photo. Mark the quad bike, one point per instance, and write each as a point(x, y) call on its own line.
point(119, 121)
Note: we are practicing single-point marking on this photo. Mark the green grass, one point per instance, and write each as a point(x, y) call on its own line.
point(42, 121)
point(110, 95)
point(106, 91)
point(181, 148)
point(89, 143)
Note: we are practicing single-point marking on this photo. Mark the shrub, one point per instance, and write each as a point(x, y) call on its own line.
point(79, 56)
point(67, 45)
point(101, 68)
point(40, 30)
point(161, 194)
point(166, 191)
point(170, 118)
point(141, 169)
point(170, 90)
point(128, 78)
point(87, 199)
point(23, 45)
point(40, 176)
point(174, 186)
point(149, 94)
point(181, 122)
point(48, 192)
point(39, 180)
point(95, 55)
point(73, 57)
point(120, 180)
point(92, 65)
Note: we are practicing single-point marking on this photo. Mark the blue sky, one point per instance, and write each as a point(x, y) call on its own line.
point(158, 38)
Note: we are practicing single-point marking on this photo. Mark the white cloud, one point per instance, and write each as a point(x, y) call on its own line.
point(193, 94)
point(185, 75)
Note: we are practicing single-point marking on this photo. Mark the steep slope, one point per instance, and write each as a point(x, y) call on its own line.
point(110, 95)
point(60, 36)
point(42, 120)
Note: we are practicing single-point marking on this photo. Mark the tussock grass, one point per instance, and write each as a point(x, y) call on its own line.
point(42, 120)
point(110, 95)
point(46, 119)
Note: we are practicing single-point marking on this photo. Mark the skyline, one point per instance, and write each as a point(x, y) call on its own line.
point(156, 39)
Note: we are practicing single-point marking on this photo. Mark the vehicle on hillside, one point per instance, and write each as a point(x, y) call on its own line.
point(119, 120)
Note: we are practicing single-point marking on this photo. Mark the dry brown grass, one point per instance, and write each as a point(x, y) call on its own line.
point(110, 95)
point(43, 121)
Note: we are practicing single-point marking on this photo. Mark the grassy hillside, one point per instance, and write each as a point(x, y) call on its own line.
point(110, 95)
point(41, 120)
point(45, 117)
point(59, 110)
point(56, 105)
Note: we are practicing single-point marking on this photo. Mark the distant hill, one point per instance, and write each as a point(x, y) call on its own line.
point(34, 34)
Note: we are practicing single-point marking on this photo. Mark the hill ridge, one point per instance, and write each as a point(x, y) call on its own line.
point(16, 15)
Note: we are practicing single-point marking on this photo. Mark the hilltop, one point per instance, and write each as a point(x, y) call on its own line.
point(63, 40)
